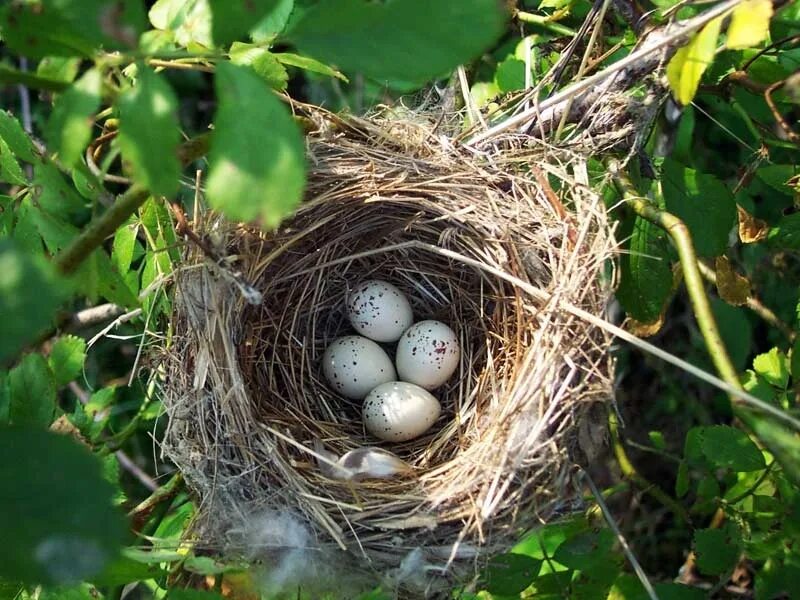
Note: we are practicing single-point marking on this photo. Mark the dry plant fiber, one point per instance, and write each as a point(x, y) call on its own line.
point(254, 427)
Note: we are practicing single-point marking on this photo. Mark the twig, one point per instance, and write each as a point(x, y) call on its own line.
point(753, 304)
point(787, 129)
point(94, 315)
point(670, 38)
point(546, 21)
point(144, 509)
point(630, 472)
point(612, 524)
point(682, 240)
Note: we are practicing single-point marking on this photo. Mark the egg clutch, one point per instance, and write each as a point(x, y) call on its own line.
point(398, 405)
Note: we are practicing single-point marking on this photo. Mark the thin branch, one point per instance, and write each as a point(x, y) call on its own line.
point(682, 240)
point(546, 21)
point(93, 316)
point(612, 524)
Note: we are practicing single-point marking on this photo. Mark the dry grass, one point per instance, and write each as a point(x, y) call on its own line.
point(394, 199)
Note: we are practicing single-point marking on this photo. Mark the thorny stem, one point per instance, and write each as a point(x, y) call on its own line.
point(630, 472)
point(682, 240)
point(753, 304)
point(100, 228)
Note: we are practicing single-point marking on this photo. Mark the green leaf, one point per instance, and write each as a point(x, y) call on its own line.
point(124, 245)
point(686, 67)
point(717, 550)
point(682, 480)
point(66, 358)
point(308, 64)
point(205, 565)
point(82, 591)
point(33, 392)
point(590, 552)
point(782, 443)
point(189, 20)
point(53, 194)
point(124, 570)
point(646, 278)
point(15, 137)
point(408, 40)
point(59, 68)
point(773, 367)
point(628, 587)
point(786, 233)
point(233, 19)
point(262, 62)
point(70, 125)
point(257, 165)
point(151, 557)
point(30, 293)
point(727, 447)
point(703, 203)
point(149, 134)
point(56, 515)
point(749, 24)
point(509, 574)
point(735, 329)
point(795, 360)
point(70, 27)
point(10, 171)
point(510, 75)
point(274, 23)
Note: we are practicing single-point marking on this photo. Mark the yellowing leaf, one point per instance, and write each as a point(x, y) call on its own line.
point(687, 66)
point(732, 287)
point(751, 229)
point(749, 24)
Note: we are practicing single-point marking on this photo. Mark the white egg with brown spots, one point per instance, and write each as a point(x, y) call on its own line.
point(353, 365)
point(427, 354)
point(379, 310)
point(398, 411)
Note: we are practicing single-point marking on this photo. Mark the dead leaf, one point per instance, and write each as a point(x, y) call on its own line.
point(62, 425)
point(732, 287)
point(751, 230)
point(643, 330)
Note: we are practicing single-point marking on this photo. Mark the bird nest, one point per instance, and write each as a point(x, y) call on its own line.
point(495, 244)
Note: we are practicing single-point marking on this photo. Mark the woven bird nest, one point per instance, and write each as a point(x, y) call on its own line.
point(495, 245)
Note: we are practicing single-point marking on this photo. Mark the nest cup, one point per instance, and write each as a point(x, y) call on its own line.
point(482, 242)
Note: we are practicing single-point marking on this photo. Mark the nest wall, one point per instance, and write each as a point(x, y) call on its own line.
point(468, 237)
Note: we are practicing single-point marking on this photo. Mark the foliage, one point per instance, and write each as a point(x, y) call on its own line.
point(104, 154)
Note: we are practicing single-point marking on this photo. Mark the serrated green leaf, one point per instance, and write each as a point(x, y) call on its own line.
point(70, 27)
point(262, 61)
point(56, 508)
point(70, 125)
point(782, 443)
point(30, 293)
point(646, 278)
point(717, 550)
point(189, 20)
point(749, 24)
point(703, 203)
point(510, 75)
point(32, 392)
point(149, 133)
point(728, 447)
point(408, 40)
point(53, 194)
point(14, 135)
point(509, 574)
point(686, 67)
point(308, 64)
point(773, 366)
point(10, 171)
point(233, 20)
point(66, 358)
point(257, 164)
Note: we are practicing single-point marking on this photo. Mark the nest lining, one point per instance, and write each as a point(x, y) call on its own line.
point(462, 236)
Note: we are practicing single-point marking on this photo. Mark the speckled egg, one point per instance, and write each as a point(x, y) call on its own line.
point(427, 354)
point(379, 310)
point(398, 411)
point(354, 365)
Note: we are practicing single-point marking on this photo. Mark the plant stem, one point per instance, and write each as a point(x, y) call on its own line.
point(100, 228)
point(682, 240)
point(545, 21)
point(630, 472)
point(144, 509)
